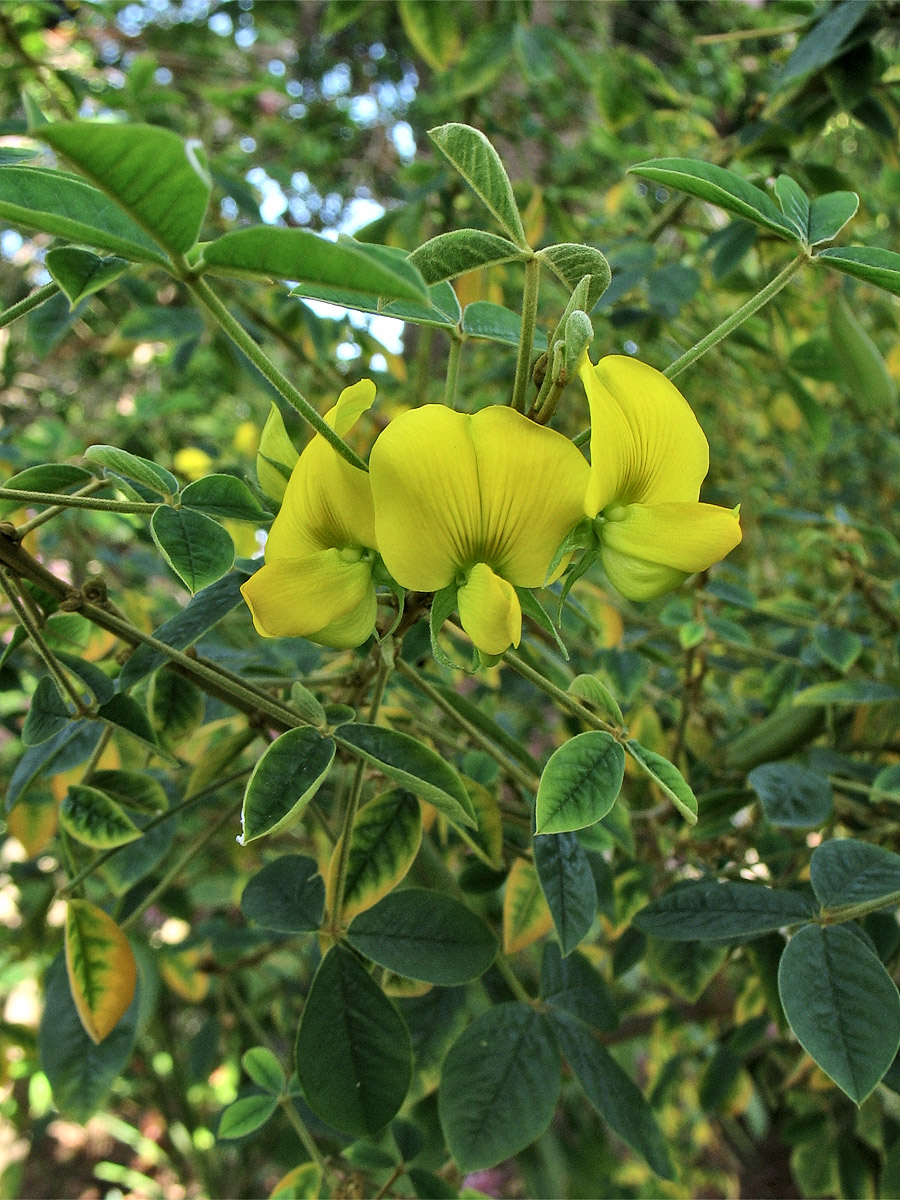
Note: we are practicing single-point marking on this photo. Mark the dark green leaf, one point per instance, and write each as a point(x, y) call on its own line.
point(162, 323)
point(35, 198)
point(848, 691)
point(160, 180)
point(570, 262)
point(264, 1069)
point(245, 1116)
point(614, 1095)
point(479, 164)
point(718, 186)
point(687, 968)
point(65, 749)
point(824, 41)
point(48, 714)
point(667, 777)
point(442, 310)
point(91, 676)
point(845, 872)
point(791, 795)
point(412, 764)
point(176, 707)
point(266, 251)
point(54, 477)
point(842, 1005)
point(881, 267)
point(354, 1058)
point(225, 497)
point(140, 470)
point(287, 895)
point(424, 935)
point(568, 885)
point(580, 782)
point(576, 986)
point(839, 647)
point(80, 273)
point(126, 714)
point(452, 254)
point(196, 547)
point(708, 910)
point(829, 214)
point(499, 1086)
point(284, 781)
point(495, 323)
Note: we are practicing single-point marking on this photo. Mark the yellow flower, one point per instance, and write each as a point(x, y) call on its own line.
point(477, 501)
point(317, 578)
point(649, 457)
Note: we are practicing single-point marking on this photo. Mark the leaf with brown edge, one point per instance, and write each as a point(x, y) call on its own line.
point(101, 968)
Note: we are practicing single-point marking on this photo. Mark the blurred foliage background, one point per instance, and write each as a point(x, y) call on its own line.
point(315, 115)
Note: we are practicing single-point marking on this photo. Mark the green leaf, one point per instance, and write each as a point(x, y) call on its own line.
point(264, 1069)
point(48, 714)
point(89, 673)
point(886, 784)
point(499, 1086)
point(425, 935)
point(132, 788)
point(52, 477)
point(80, 1071)
point(792, 796)
point(475, 714)
point(225, 497)
point(846, 872)
point(59, 204)
point(140, 470)
point(80, 273)
point(162, 323)
point(176, 707)
point(160, 180)
point(495, 323)
point(287, 895)
point(245, 1116)
point(413, 765)
point(794, 204)
point(354, 1057)
point(839, 647)
point(442, 310)
point(570, 262)
point(267, 251)
point(284, 781)
point(576, 986)
point(614, 1095)
point(589, 690)
point(716, 185)
point(95, 819)
point(568, 885)
point(476, 160)
point(443, 604)
point(580, 783)
point(825, 40)
point(384, 842)
point(842, 1005)
point(687, 968)
point(101, 968)
point(196, 547)
point(11, 156)
point(881, 267)
point(125, 713)
point(708, 910)
point(65, 749)
point(433, 31)
point(829, 214)
point(462, 250)
point(667, 777)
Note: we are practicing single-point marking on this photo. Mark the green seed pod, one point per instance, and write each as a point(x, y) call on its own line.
point(873, 391)
point(782, 733)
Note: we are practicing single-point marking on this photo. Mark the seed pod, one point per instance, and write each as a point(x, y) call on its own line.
point(782, 733)
point(873, 391)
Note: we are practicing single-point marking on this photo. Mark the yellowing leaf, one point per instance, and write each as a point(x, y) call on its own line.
point(400, 987)
point(303, 1183)
point(526, 917)
point(33, 824)
point(487, 840)
point(385, 840)
point(101, 967)
point(180, 972)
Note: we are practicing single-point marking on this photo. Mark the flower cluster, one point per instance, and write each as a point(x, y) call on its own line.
point(482, 503)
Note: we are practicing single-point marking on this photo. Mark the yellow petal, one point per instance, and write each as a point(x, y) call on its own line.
point(647, 550)
point(452, 490)
point(425, 486)
point(276, 456)
point(646, 444)
point(489, 610)
point(351, 404)
point(353, 629)
point(532, 482)
point(301, 597)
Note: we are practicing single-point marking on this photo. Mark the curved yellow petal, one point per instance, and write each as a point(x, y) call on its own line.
point(646, 444)
point(351, 404)
point(276, 455)
point(300, 597)
point(649, 549)
point(531, 483)
point(425, 487)
point(353, 629)
point(489, 610)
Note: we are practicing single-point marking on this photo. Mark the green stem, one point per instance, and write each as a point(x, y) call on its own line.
point(22, 531)
point(25, 306)
point(526, 342)
point(737, 318)
point(517, 989)
point(233, 328)
point(562, 698)
point(452, 369)
point(851, 912)
point(77, 501)
point(343, 846)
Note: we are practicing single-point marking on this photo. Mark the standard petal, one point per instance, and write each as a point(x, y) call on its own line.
point(351, 404)
point(489, 610)
point(531, 483)
point(425, 487)
point(646, 444)
point(298, 597)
